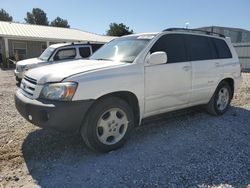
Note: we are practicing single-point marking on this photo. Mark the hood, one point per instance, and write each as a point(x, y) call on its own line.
point(31, 61)
point(60, 71)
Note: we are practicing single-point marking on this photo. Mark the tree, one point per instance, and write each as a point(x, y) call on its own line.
point(59, 22)
point(118, 30)
point(4, 16)
point(37, 17)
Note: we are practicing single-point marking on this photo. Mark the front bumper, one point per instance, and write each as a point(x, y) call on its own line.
point(59, 115)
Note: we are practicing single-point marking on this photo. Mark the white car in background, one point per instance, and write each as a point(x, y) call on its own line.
point(56, 53)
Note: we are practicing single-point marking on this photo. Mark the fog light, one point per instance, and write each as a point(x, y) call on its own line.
point(30, 117)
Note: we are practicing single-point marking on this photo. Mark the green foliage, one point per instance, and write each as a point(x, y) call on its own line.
point(4, 16)
point(59, 22)
point(118, 30)
point(37, 17)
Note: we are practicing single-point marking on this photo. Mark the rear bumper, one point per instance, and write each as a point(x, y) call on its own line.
point(59, 115)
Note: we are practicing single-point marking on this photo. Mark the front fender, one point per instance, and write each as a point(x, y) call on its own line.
point(95, 84)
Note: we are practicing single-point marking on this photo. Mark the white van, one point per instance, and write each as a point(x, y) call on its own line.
point(56, 53)
point(131, 78)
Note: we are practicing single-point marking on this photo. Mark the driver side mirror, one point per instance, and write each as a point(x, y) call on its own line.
point(157, 58)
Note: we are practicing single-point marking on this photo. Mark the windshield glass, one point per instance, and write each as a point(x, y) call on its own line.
point(122, 49)
point(46, 54)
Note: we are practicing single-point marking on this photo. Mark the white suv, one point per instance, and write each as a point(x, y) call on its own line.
point(131, 78)
point(56, 53)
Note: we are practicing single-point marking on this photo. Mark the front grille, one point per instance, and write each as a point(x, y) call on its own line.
point(31, 80)
point(28, 85)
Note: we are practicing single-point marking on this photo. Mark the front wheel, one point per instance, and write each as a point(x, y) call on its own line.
point(107, 125)
point(221, 99)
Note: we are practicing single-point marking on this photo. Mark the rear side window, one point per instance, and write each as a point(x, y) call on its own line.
point(65, 54)
point(173, 45)
point(84, 52)
point(200, 48)
point(222, 48)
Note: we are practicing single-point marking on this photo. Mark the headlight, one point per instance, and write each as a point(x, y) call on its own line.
point(24, 67)
point(59, 91)
point(20, 67)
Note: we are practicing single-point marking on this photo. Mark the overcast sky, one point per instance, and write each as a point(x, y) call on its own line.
point(141, 16)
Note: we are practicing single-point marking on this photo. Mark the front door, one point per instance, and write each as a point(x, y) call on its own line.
point(168, 86)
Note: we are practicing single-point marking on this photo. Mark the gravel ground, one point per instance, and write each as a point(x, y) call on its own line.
point(193, 149)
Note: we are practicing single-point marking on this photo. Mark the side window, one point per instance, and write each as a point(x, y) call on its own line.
point(213, 51)
point(200, 48)
point(222, 48)
point(84, 52)
point(65, 54)
point(173, 45)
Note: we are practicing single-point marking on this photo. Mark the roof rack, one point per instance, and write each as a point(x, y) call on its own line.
point(195, 31)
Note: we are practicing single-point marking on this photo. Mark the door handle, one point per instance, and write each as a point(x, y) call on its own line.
point(186, 68)
point(217, 64)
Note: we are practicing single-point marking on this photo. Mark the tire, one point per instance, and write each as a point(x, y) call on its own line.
point(107, 125)
point(221, 99)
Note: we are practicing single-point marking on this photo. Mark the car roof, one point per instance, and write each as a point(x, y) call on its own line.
point(181, 31)
point(58, 45)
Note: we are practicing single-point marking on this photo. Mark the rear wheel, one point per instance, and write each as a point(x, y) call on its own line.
point(221, 99)
point(107, 125)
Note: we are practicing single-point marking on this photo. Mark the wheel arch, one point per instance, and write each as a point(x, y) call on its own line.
point(230, 82)
point(128, 97)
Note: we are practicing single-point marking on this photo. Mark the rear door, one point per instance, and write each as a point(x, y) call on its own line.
point(230, 64)
point(168, 86)
point(207, 68)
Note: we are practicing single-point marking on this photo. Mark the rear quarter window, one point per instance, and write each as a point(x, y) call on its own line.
point(222, 48)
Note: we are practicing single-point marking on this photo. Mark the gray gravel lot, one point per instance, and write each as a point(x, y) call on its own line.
point(193, 149)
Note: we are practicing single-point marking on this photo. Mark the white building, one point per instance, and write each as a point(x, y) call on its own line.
point(243, 51)
point(29, 41)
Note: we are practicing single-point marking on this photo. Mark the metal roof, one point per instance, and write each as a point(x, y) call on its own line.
point(48, 33)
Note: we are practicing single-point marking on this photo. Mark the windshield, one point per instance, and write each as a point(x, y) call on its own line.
point(46, 54)
point(122, 49)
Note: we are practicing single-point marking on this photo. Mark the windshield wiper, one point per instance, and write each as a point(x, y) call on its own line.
point(102, 59)
point(126, 61)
